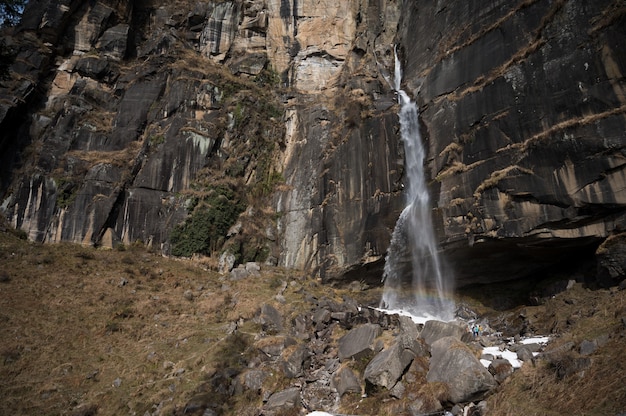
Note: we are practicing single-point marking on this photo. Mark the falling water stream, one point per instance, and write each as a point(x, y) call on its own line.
point(415, 281)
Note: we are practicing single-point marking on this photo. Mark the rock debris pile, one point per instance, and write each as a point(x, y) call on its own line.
point(340, 355)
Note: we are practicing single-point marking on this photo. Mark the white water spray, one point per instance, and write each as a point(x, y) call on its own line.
point(415, 283)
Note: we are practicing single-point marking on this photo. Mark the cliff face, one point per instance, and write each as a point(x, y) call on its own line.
point(121, 119)
point(127, 118)
point(525, 111)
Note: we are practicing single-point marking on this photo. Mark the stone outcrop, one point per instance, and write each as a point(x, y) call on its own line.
point(119, 121)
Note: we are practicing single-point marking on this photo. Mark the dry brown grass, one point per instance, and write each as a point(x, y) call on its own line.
point(76, 319)
point(577, 314)
point(117, 332)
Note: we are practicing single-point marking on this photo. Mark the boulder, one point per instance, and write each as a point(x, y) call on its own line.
point(270, 319)
point(408, 327)
point(345, 381)
point(239, 273)
point(434, 330)
point(454, 364)
point(284, 399)
point(525, 354)
point(253, 379)
point(501, 369)
point(358, 342)
point(388, 365)
point(253, 268)
point(292, 363)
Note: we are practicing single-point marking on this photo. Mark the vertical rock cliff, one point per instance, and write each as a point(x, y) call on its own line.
point(129, 121)
point(267, 130)
point(525, 113)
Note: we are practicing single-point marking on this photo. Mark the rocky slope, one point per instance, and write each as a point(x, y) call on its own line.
point(121, 120)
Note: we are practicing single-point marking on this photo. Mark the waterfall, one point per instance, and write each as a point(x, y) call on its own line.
point(415, 282)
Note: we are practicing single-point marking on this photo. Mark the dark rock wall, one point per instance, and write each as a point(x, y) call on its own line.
point(119, 115)
point(524, 112)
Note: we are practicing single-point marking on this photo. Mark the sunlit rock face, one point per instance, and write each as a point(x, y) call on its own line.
point(121, 111)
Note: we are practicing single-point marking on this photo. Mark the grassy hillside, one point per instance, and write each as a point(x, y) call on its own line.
point(116, 332)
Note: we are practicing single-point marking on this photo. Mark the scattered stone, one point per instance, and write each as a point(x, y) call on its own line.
point(284, 399)
point(358, 342)
point(188, 295)
point(435, 330)
point(345, 381)
point(454, 364)
point(587, 347)
point(117, 382)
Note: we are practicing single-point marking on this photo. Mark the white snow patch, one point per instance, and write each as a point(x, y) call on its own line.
point(536, 340)
point(417, 319)
point(510, 355)
point(316, 413)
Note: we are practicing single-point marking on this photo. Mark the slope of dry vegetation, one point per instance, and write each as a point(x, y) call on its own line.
point(122, 332)
point(114, 332)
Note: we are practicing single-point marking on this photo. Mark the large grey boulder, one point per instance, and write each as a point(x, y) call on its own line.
point(293, 362)
point(345, 381)
point(270, 319)
point(388, 365)
point(434, 330)
point(454, 364)
point(284, 399)
point(358, 342)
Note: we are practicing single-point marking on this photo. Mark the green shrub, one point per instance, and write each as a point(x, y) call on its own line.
point(205, 230)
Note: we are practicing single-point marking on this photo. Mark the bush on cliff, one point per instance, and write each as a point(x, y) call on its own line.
point(205, 230)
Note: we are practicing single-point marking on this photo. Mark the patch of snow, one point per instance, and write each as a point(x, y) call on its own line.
point(536, 340)
point(510, 356)
point(316, 413)
point(417, 319)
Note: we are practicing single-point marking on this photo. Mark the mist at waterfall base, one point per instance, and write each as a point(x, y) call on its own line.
point(416, 283)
